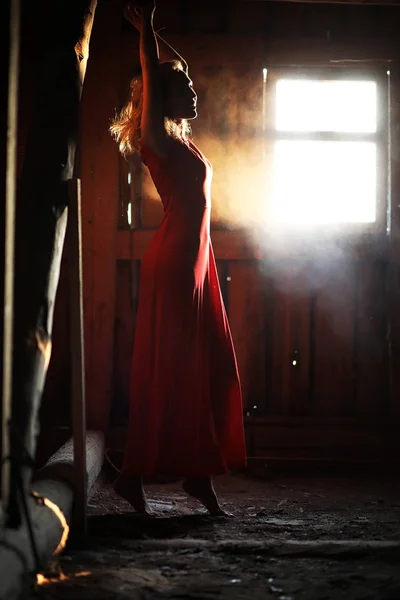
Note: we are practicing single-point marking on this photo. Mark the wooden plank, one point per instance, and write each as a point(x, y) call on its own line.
point(288, 375)
point(333, 349)
point(8, 182)
point(394, 340)
point(125, 317)
point(246, 301)
point(74, 240)
point(372, 347)
point(100, 191)
point(201, 49)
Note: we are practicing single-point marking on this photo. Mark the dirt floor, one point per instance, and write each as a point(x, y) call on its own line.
point(291, 539)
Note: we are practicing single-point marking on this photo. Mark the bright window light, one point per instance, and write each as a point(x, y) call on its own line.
point(340, 106)
point(324, 181)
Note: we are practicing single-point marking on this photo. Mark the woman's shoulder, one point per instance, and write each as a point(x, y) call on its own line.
point(173, 147)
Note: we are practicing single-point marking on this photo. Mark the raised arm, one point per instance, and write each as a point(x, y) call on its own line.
point(166, 50)
point(152, 127)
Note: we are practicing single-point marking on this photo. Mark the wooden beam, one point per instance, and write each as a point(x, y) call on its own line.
point(49, 162)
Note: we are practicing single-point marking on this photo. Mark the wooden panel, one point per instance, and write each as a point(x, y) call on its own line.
point(394, 340)
point(125, 317)
point(224, 279)
point(333, 439)
point(394, 266)
point(207, 16)
point(100, 199)
point(310, 439)
point(247, 21)
point(372, 349)
point(289, 364)
point(333, 349)
point(257, 52)
point(171, 15)
point(246, 302)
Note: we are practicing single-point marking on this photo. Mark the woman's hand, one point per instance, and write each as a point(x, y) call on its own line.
point(145, 8)
point(132, 16)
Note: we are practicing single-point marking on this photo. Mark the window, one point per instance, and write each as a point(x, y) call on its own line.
point(328, 139)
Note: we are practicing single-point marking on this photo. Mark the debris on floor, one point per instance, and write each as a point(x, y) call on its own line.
point(291, 539)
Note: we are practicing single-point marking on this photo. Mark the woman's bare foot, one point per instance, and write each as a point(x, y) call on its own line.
point(202, 489)
point(131, 489)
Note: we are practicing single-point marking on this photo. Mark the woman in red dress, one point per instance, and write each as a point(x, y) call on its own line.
point(186, 408)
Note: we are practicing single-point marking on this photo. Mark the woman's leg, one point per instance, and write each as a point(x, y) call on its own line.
point(131, 489)
point(202, 489)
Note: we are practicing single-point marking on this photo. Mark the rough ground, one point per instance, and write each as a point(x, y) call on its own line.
point(289, 540)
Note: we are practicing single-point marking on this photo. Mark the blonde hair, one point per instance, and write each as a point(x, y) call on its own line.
point(125, 126)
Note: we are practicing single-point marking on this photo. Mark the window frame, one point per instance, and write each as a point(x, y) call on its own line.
point(380, 138)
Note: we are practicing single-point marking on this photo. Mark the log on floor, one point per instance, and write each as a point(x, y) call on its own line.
point(50, 521)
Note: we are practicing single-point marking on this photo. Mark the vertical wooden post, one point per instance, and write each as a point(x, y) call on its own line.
point(11, 112)
point(74, 240)
point(100, 190)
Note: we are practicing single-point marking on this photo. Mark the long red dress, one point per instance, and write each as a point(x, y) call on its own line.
point(186, 415)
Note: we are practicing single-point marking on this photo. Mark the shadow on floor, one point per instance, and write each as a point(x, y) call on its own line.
point(132, 526)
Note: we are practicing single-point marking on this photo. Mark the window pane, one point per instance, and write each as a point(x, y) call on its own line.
point(306, 105)
point(324, 182)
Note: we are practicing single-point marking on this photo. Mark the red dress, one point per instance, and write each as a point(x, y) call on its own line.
point(186, 416)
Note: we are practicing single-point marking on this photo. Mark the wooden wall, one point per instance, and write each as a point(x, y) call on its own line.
point(316, 330)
